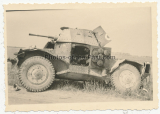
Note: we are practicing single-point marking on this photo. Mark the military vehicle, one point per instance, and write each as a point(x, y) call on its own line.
point(80, 55)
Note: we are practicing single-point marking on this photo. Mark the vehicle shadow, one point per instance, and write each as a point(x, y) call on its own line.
point(60, 84)
point(69, 85)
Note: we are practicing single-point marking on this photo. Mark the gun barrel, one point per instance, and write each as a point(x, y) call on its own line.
point(51, 37)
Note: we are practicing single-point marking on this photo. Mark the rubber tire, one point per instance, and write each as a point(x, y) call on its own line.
point(33, 61)
point(115, 78)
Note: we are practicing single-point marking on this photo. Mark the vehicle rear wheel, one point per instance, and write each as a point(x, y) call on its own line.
point(125, 78)
point(36, 74)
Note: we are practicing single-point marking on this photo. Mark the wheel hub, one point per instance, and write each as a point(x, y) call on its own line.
point(37, 74)
point(127, 79)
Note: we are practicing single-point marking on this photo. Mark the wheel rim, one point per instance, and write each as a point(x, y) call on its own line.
point(37, 74)
point(127, 78)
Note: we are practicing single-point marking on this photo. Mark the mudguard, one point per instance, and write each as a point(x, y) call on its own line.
point(47, 53)
point(116, 65)
point(143, 68)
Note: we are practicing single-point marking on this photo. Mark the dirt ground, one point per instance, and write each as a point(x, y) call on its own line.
point(56, 96)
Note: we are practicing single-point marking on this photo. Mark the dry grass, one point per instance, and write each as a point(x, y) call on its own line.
point(101, 89)
point(92, 87)
point(12, 74)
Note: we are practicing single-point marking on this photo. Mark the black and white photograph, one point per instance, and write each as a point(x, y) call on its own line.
point(80, 55)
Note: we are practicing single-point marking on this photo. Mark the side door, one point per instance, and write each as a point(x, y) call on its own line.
point(79, 57)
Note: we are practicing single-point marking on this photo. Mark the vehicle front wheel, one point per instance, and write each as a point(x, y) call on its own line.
point(126, 77)
point(36, 73)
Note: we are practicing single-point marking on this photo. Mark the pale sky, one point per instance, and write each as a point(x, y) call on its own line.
point(128, 28)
